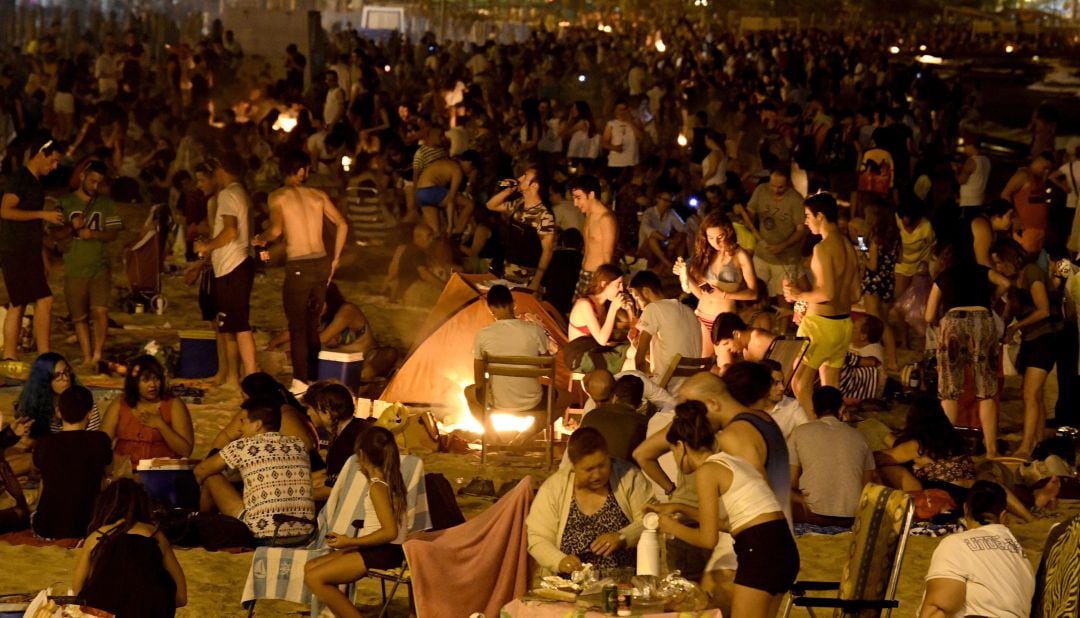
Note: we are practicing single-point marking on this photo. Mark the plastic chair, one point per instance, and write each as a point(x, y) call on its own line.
point(534, 367)
point(685, 367)
point(868, 583)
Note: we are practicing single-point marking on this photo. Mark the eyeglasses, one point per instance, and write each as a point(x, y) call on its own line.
point(66, 373)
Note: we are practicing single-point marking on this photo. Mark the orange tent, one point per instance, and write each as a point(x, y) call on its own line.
point(440, 364)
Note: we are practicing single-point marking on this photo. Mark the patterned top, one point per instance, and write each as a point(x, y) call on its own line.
point(581, 530)
point(277, 479)
point(951, 470)
point(882, 282)
point(538, 216)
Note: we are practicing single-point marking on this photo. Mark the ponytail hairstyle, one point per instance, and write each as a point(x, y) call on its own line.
point(692, 427)
point(378, 447)
point(703, 251)
point(986, 502)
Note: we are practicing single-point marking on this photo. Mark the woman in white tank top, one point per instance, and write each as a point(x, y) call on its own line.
point(378, 543)
point(974, 174)
point(768, 559)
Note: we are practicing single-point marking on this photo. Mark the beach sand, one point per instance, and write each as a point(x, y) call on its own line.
point(216, 579)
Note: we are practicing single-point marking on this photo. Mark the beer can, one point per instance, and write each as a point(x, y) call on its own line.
point(610, 596)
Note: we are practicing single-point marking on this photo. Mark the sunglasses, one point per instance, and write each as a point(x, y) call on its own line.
point(66, 373)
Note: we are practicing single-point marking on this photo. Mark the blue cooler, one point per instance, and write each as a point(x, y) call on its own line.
point(174, 485)
point(198, 354)
point(341, 366)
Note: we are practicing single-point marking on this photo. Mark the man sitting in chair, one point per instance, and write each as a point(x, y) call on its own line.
point(666, 326)
point(509, 336)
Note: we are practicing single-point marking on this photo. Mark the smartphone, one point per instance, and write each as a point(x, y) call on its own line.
point(862, 244)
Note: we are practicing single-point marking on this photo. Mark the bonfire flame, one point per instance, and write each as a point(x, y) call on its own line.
point(461, 419)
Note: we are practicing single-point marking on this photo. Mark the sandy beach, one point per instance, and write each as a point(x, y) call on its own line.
point(215, 580)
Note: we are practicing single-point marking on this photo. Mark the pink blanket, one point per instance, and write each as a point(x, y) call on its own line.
point(478, 566)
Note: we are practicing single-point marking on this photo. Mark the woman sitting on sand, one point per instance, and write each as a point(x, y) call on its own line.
point(767, 555)
point(146, 422)
point(344, 328)
point(378, 544)
point(294, 422)
point(590, 511)
point(50, 375)
point(127, 566)
point(331, 407)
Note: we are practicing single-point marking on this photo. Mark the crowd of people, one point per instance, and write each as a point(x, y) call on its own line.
point(678, 191)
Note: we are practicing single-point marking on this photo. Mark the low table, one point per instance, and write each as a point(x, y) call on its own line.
point(535, 608)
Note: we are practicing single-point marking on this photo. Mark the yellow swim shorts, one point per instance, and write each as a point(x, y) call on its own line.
point(829, 340)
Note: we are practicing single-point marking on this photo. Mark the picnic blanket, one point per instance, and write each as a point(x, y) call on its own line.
point(489, 552)
point(278, 572)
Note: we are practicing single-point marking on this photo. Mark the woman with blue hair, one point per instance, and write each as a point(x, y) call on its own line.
point(50, 375)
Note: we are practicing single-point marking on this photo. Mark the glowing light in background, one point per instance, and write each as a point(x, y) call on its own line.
point(286, 122)
point(682, 141)
point(894, 50)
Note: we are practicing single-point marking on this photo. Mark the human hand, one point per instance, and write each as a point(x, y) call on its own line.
point(569, 564)
point(1010, 334)
point(773, 249)
point(668, 523)
point(21, 426)
point(679, 268)
point(661, 508)
point(790, 292)
point(606, 544)
point(150, 418)
point(338, 541)
point(52, 216)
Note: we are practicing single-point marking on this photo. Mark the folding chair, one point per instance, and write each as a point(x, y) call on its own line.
point(789, 352)
point(685, 367)
point(868, 583)
point(535, 367)
point(1057, 588)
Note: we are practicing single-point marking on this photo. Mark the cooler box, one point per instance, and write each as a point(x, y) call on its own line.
point(198, 354)
point(172, 482)
point(341, 366)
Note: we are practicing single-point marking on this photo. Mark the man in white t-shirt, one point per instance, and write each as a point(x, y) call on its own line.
point(334, 104)
point(622, 139)
point(1067, 178)
point(666, 326)
point(982, 571)
point(786, 411)
point(234, 271)
point(509, 336)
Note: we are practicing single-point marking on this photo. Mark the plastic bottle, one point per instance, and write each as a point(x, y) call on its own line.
point(648, 547)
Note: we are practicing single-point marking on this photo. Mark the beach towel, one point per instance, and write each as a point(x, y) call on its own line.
point(278, 572)
point(489, 551)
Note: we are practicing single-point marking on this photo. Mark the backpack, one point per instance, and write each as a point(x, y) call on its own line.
point(442, 504)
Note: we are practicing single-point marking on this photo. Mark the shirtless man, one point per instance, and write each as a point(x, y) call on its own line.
point(437, 188)
point(827, 323)
point(601, 229)
point(298, 212)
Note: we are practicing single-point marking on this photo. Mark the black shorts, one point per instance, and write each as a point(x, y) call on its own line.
point(385, 556)
point(1039, 353)
point(768, 557)
point(24, 277)
point(232, 298)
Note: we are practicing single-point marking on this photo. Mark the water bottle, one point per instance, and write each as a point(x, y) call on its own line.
point(648, 547)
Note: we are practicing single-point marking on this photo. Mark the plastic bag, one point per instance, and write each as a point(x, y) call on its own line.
point(911, 305)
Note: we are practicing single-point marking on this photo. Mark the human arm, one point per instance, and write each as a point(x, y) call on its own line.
point(388, 524)
point(1042, 309)
point(582, 314)
point(277, 222)
point(542, 526)
point(944, 598)
point(796, 473)
point(228, 234)
point(747, 291)
point(605, 140)
point(1015, 184)
point(898, 454)
point(10, 211)
point(795, 238)
point(345, 316)
point(547, 250)
point(479, 239)
point(933, 304)
point(341, 231)
point(966, 170)
point(455, 184)
point(710, 477)
point(634, 491)
point(641, 356)
point(82, 567)
point(647, 455)
point(111, 419)
point(214, 464)
point(498, 202)
point(824, 287)
point(173, 568)
point(982, 238)
point(228, 433)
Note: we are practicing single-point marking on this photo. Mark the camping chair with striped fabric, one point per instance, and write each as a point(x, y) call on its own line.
point(278, 572)
point(868, 583)
point(789, 352)
point(684, 367)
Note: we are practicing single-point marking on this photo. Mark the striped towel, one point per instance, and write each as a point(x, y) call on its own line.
point(278, 572)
